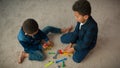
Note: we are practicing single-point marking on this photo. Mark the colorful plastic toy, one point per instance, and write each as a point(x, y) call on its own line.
point(57, 61)
point(63, 64)
point(58, 66)
point(60, 51)
point(51, 52)
point(55, 57)
point(48, 64)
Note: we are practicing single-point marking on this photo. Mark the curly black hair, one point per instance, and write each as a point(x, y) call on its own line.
point(30, 26)
point(83, 7)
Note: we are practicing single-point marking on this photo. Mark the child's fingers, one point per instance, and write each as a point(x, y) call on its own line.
point(65, 48)
point(44, 46)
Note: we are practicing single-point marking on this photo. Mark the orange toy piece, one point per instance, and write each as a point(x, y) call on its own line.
point(47, 47)
point(67, 54)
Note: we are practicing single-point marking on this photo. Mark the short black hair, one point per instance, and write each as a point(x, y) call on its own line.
point(83, 7)
point(30, 26)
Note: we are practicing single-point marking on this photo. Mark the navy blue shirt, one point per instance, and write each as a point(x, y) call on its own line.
point(31, 43)
point(86, 37)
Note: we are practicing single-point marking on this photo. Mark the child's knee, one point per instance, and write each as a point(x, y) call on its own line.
point(77, 59)
point(37, 55)
point(79, 56)
point(62, 39)
point(41, 58)
point(37, 58)
point(66, 38)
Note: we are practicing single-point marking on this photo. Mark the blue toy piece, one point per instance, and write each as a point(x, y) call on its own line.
point(57, 61)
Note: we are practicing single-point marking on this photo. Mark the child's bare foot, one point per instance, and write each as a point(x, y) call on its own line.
point(22, 56)
point(66, 30)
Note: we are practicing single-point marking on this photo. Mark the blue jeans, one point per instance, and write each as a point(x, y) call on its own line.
point(78, 56)
point(51, 29)
point(39, 55)
point(36, 55)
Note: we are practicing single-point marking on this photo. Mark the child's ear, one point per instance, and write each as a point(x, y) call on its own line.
point(86, 17)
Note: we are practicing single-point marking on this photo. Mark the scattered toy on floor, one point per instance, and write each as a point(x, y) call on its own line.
point(48, 64)
point(63, 64)
point(58, 66)
point(67, 54)
point(57, 61)
point(48, 47)
point(51, 52)
point(60, 51)
point(55, 57)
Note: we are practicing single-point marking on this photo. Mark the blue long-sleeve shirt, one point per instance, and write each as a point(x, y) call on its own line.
point(31, 43)
point(86, 36)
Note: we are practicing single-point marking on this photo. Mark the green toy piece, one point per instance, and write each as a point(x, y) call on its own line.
point(63, 64)
point(51, 52)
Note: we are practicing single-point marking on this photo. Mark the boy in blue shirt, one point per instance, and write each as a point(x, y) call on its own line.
point(85, 34)
point(33, 39)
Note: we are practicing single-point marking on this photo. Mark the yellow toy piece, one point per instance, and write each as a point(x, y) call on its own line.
point(67, 54)
point(48, 64)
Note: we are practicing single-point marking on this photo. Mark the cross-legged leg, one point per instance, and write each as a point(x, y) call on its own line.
point(52, 29)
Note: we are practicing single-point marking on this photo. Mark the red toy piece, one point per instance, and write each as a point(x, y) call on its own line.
point(45, 45)
point(60, 51)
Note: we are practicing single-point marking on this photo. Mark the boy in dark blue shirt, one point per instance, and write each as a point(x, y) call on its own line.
point(85, 33)
point(33, 39)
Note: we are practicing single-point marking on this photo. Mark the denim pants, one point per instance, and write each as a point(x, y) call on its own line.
point(39, 54)
point(78, 56)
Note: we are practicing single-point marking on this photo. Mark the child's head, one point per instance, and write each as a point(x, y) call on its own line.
point(82, 10)
point(30, 27)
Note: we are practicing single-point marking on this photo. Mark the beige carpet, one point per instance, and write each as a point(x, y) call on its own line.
point(59, 13)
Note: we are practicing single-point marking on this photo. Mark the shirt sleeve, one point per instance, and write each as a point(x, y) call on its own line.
point(44, 37)
point(75, 33)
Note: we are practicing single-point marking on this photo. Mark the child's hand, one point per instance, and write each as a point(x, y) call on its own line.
point(68, 47)
point(50, 43)
point(70, 50)
point(45, 45)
